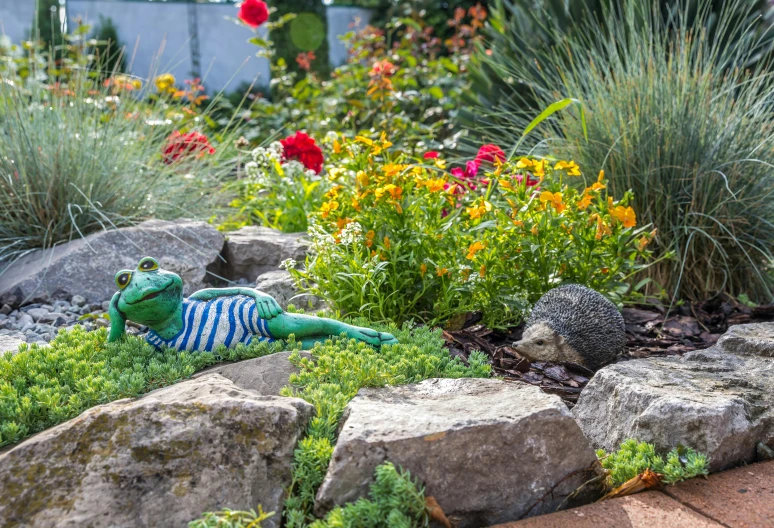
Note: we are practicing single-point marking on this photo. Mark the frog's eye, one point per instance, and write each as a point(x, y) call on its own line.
point(122, 279)
point(148, 264)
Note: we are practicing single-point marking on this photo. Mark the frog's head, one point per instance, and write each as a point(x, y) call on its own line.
point(147, 295)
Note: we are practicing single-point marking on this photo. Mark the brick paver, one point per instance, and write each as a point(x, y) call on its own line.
point(740, 498)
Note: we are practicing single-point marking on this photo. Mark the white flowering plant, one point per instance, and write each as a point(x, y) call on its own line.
point(274, 192)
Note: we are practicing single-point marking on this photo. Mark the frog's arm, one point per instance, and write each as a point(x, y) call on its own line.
point(268, 308)
point(117, 320)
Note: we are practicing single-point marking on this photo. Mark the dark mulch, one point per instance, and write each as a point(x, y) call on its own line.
point(650, 331)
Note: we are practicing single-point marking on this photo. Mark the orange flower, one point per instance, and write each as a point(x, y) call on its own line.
point(598, 185)
point(625, 215)
point(435, 185)
point(441, 272)
point(474, 248)
point(336, 146)
point(584, 202)
point(482, 271)
point(423, 269)
point(387, 243)
point(555, 199)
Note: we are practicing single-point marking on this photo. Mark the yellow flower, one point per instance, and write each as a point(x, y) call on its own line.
point(423, 269)
point(336, 146)
point(365, 140)
point(534, 230)
point(335, 173)
point(570, 167)
point(386, 242)
point(479, 210)
point(327, 207)
point(165, 82)
point(539, 168)
point(625, 215)
point(441, 164)
point(393, 169)
point(482, 271)
point(333, 193)
point(642, 242)
point(602, 227)
point(362, 178)
point(555, 199)
point(474, 248)
point(435, 185)
point(136, 84)
point(524, 163)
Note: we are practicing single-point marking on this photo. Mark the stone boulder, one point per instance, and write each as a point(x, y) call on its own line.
point(265, 375)
point(749, 339)
point(161, 460)
point(280, 285)
point(87, 266)
point(10, 343)
point(252, 251)
point(718, 403)
point(489, 451)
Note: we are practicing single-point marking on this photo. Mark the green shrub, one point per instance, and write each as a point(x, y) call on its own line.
point(81, 155)
point(398, 238)
point(342, 367)
point(674, 114)
point(43, 386)
point(634, 457)
point(396, 501)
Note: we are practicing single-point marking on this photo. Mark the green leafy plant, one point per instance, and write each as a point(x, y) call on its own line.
point(399, 238)
point(232, 519)
point(395, 501)
point(678, 114)
point(634, 457)
point(44, 386)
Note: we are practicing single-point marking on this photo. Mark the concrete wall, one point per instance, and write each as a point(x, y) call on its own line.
point(157, 40)
point(16, 17)
point(339, 21)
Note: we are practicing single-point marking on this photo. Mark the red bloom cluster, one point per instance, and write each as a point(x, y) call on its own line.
point(382, 68)
point(301, 147)
point(489, 153)
point(182, 145)
point(253, 12)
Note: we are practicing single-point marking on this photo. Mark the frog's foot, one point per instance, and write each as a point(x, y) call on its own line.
point(374, 338)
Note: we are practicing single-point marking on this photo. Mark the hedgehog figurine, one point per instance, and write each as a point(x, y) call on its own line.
point(573, 324)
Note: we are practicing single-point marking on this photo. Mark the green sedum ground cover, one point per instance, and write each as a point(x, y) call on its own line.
point(44, 386)
point(634, 457)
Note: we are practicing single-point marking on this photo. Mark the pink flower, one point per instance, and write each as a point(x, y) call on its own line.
point(489, 153)
point(431, 154)
point(531, 182)
point(253, 12)
point(471, 169)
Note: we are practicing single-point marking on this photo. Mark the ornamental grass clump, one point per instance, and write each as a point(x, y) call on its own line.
point(81, 154)
point(400, 238)
point(677, 111)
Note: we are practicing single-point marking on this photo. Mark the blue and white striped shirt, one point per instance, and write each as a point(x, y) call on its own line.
point(223, 320)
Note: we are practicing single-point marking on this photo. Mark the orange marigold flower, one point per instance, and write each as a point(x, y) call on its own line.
point(479, 210)
point(474, 248)
point(435, 185)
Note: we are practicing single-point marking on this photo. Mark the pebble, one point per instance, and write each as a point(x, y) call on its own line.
point(40, 323)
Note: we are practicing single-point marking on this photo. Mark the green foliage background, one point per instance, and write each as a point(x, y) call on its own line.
point(285, 46)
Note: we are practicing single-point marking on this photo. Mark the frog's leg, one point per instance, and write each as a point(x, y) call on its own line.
point(309, 330)
point(117, 320)
point(267, 306)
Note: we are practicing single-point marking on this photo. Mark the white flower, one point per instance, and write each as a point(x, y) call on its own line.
point(351, 233)
point(331, 136)
point(288, 264)
point(252, 169)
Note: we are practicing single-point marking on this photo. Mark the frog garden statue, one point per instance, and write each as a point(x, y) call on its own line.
point(214, 316)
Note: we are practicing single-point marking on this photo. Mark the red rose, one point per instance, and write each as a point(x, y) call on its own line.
point(179, 145)
point(431, 154)
point(253, 13)
point(488, 154)
point(303, 148)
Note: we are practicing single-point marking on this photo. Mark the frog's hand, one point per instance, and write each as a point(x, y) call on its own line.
point(117, 320)
point(268, 307)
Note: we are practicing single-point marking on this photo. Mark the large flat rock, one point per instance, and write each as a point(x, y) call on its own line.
point(253, 250)
point(161, 460)
point(10, 343)
point(489, 451)
point(718, 403)
point(87, 266)
point(264, 375)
